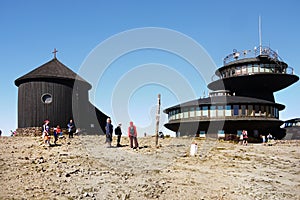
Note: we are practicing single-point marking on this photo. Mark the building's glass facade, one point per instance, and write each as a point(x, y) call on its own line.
point(252, 68)
point(221, 111)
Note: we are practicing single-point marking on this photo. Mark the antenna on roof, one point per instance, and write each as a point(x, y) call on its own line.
point(259, 30)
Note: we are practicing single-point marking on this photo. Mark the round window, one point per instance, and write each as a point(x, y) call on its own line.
point(47, 98)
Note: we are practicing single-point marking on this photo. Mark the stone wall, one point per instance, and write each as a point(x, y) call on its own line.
point(29, 131)
point(33, 131)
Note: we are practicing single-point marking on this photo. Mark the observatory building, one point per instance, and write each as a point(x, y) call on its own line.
point(54, 92)
point(241, 98)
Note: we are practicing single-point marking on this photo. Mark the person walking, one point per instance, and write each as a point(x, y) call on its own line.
point(269, 137)
point(263, 137)
point(46, 132)
point(245, 137)
point(56, 133)
point(241, 139)
point(71, 128)
point(132, 134)
point(109, 132)
point(118, 132)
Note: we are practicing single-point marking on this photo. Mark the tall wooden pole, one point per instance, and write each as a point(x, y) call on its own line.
point(157, 120)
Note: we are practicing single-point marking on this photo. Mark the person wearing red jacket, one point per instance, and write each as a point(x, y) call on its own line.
point(132, 134)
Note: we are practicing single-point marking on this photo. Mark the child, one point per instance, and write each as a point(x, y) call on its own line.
point(57, 131)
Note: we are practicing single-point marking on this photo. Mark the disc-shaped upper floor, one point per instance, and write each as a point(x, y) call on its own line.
point(255, 77)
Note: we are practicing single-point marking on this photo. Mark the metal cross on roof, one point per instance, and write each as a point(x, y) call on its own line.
point(54, 52)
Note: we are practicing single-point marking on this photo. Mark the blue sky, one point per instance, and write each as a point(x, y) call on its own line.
point(30, 30)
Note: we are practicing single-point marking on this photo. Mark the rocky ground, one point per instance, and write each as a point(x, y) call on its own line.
point(83, 168)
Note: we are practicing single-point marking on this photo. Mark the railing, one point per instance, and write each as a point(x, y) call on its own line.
point(261, 50)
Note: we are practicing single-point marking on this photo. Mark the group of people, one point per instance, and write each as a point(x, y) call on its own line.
point(244, 138)
point(57, 131)
point(267, 138)
point(132, 134)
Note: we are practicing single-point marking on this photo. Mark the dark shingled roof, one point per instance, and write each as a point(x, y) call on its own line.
point(228, 100)
point(53, 69)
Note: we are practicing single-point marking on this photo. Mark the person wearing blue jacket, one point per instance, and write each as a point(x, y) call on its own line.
point(109, 132)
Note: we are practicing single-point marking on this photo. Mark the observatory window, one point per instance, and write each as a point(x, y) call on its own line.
point(238, 71)
point(221, 133)
point(249, 68)
point(170, 115)
point(180, 115)
point(185, 113)
point(220, 111)
point(250, 110)
point(46, 98)
point(276, 112)
point(257, 111)
point(244, 69)
point(202, 134)
point(228, 110)
point(192, 112)
point(235, 110)
point(262, 67)
point(272, 111)
point(233, 72)
point(267, 111)
point(173, 115)
point(198, 112)
point(205, 111)
point(239, 133)
point(267, 68)
point(223, 74)
point(255, 68)
point(263, 110)
point(243, 107)
point(212, 111)
point(176, 114)
point(272, 68)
